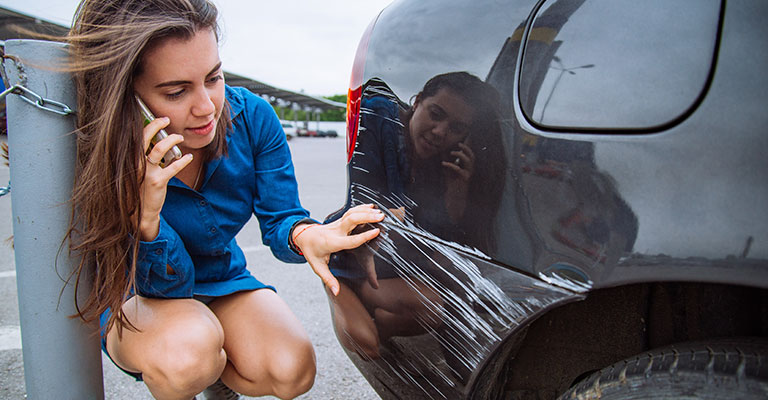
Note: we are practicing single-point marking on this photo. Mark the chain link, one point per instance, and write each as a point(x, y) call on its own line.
point(38, 101)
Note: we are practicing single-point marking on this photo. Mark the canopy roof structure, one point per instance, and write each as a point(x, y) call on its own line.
point(9, 19)
point(282, 97)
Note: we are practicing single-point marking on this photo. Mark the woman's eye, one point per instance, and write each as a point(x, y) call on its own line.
point(174, 95)
point(215, 79)
point(436, 114)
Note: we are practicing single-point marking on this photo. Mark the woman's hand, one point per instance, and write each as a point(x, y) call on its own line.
point(154, 185)
point(319, 241)
point(458, 173)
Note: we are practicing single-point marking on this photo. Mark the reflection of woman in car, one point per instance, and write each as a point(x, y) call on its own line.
point(436, 166)
point(436, 157)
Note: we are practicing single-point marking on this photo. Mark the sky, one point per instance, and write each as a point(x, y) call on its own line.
point(300, 45)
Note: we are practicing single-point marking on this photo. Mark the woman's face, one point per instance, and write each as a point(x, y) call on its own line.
point(439, 123)
point(182, 79)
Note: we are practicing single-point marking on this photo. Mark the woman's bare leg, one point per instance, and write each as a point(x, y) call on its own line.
point(178, 347)
point(268, 351)
point(400, 308)
point(354, 325)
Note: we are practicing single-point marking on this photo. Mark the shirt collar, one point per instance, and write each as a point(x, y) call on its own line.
point(235, 99)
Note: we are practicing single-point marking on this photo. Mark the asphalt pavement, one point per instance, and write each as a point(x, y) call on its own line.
point(320, 170)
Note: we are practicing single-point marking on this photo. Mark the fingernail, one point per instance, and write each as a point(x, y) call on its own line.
point(335, 290)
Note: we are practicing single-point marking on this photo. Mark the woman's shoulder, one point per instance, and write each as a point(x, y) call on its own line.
point(380, 105)
point(252, 118)
point(241, 98)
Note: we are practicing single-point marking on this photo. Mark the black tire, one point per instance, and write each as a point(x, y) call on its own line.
point(722, 369)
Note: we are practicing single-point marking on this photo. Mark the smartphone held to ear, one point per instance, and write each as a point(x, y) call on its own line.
point(172, 154)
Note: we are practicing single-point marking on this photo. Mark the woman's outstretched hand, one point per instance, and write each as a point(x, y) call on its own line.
point(155, 182)
point(318, 242)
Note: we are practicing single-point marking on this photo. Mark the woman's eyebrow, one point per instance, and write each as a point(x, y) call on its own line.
point(178, 83)
point(215, 68)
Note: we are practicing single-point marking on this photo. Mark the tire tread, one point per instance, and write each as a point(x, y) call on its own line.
point(721, 369)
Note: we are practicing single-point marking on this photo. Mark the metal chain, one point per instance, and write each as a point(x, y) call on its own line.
point(38, 101)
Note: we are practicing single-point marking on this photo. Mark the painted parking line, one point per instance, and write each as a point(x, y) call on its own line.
point(8, 274)
point(253, 249)
point(10, 337)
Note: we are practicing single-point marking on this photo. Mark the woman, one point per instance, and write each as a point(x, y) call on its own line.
point(177, 305)
point(435, 157)
point(438, 167)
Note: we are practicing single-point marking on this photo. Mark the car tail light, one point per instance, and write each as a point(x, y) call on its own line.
point(355, 93)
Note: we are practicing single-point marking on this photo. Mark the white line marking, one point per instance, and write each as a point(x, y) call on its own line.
point(10, 337)
point(8, 274)
point(252, 249)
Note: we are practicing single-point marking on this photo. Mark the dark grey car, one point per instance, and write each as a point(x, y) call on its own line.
point(576, 195)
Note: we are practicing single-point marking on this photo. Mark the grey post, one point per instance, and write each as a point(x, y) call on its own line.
point(62, 358)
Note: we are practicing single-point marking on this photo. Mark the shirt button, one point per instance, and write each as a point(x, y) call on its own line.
point(212, 230)
point(159, 252)
point(203, 203)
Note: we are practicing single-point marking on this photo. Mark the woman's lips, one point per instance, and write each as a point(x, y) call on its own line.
point(429, 145)
point(203, 130)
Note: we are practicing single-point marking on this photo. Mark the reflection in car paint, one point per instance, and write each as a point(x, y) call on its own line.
point(436, 316)
point(417, 304)
point(468, 313)
point(644, 227)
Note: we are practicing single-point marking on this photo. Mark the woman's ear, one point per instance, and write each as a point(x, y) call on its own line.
point(416, 101)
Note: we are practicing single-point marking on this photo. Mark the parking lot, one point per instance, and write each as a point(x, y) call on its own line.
point(320, 170)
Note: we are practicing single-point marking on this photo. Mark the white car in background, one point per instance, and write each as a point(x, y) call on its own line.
point(290, 129)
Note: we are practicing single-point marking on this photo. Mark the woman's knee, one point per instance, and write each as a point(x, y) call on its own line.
point(188, 371)
point(293, 369)
point(186, 354)
point(286, 372)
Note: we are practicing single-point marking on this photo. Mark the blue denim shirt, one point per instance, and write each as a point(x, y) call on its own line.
point(198, 228)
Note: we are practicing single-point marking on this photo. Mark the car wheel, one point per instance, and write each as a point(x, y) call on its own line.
point(722, 369)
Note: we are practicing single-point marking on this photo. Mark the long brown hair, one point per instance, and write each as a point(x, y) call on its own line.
point(107, 41)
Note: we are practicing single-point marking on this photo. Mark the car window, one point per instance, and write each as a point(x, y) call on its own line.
point(616, 64)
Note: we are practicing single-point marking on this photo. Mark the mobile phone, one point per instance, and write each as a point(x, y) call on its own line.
point(172, 154)
point(448, 157)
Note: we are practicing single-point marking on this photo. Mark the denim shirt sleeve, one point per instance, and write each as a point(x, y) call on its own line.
point(276, 202)
point(152, 278)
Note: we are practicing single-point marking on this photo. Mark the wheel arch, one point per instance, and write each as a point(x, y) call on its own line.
point(571, 341)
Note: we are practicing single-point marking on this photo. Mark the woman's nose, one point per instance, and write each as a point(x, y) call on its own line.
point(440, 130)
point(203, 104)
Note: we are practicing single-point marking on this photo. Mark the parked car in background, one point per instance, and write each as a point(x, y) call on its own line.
point(576, 195)
point(328, 133)
point(290, 129)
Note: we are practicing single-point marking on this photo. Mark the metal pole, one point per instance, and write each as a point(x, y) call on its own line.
point(62, 358)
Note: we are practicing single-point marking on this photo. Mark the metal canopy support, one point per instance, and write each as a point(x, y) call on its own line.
point(62, 359)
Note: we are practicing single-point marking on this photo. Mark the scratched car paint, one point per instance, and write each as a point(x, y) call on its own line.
point(571, 187)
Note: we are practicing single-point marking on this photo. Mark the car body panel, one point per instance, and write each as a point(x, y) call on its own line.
point(561, 205)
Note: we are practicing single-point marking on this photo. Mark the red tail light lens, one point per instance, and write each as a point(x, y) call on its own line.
point(353, 118)
point(354, 95)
